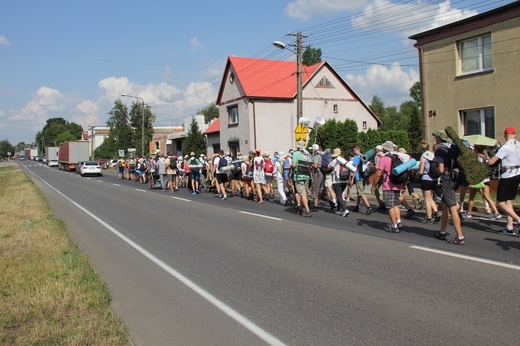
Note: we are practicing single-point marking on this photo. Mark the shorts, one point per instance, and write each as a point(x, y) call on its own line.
point(508, 188)
point(360, 188)
point(391, 198)
point(449, 187)
point(302, 187)
point(194, 175)
point(328, 180)
point(428, 185)
point(221, 178)
point(170, 177)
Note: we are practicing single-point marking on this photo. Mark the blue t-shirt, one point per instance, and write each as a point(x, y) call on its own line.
point(359, 165)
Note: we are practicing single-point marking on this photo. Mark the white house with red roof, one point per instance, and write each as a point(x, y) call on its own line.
point(257, 101)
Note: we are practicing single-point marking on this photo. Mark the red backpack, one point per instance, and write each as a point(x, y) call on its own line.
point(269, 166)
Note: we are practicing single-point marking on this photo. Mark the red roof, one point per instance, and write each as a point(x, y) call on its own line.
point(269, 78)
point(215, 127)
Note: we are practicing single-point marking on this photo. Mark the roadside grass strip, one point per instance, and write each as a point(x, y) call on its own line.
point(49, 291)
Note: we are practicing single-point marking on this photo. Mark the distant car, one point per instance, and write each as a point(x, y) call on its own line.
point(21, 158)
point(103, 163)
point(90, 168)
point(52, 163)
point(79, 165)
point(113, 163)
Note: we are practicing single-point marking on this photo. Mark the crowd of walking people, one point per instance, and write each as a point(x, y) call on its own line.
point(309, 178)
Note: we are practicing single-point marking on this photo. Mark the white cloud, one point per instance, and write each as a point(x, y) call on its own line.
point(407, 19)
point(195, 44)
point(4, 41)
point(305, 9)
point(391, 84)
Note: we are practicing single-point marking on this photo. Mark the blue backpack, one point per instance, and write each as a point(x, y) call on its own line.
point(325, 160)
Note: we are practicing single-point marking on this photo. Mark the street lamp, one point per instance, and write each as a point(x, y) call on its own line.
point(142, 120)
point(281, 45)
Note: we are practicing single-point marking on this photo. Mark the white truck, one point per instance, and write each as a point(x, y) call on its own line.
point(51, 155)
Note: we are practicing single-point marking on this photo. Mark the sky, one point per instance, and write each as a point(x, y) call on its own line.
point(73, 59)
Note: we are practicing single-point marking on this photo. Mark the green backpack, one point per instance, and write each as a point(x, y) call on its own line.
point(470, 167)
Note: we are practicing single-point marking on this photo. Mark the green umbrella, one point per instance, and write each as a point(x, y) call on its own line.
point(480, 140)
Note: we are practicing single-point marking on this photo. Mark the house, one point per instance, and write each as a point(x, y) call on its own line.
point(469, 73)
point(257, 103)
point(213, 137)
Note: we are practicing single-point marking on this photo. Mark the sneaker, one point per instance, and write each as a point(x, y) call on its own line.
point(420, 204)
point(436, 217)
point(193, 193)
point(399, 225)
point(224, 198)
point(507, 232)
point(427, 221)
point(392, 229)
point(440, 236)
point(495, 217)
point(307, 213)
point(345, 213)
point(456, 241)
point(369, 211)
point(338, 212)
point(332, 206)
point(409, 213)
point(467, 216)
point(488, 211)
point(197, 192)
point(356, 209)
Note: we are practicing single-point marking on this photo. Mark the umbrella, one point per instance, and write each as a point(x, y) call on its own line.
point(480, 140)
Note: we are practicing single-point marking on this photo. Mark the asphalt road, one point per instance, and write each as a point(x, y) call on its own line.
point(195, 270)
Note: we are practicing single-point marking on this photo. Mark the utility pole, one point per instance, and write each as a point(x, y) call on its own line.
point(299, 104)
point(91, 127)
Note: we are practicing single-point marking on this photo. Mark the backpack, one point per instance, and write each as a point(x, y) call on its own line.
point(433, 170)
point(269, 166)
point(325, 160)
point(401, 178)
point(303, 168)
point(368, 169)
point(142, 166)
point(344, 173)
point(119, 164)
point(222, 163)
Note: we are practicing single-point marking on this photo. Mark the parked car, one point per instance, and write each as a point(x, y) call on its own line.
point(113, 163)
point(103, 163)
point(52, 163)
point(89, 168)
point(80, 163)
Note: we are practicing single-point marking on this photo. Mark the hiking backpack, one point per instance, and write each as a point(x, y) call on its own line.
point(269, 166)
point(400, 178)
point(222, 162)
point(344, 173)
point(325, 160)
point(173, 163)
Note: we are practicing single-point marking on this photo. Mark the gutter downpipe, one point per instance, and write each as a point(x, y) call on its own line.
point(254, 124)
point(423, 94)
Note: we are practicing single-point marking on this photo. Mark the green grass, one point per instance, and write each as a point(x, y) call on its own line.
point(49, 292)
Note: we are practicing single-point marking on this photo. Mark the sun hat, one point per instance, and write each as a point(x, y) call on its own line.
point(441, 134)
point(402, 150)
point(510, 130)
point(336, 152)
point(388, 145)
point(192, 154)
point(266, 153)
point(301, 144)
point(379, 147)
point(428, 155)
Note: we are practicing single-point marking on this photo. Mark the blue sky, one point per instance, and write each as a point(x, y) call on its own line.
point(72, 59)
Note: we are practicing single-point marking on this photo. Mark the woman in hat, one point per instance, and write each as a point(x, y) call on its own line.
point(340, 179)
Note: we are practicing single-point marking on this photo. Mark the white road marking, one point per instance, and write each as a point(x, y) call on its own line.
point(116, 184)
point(140, 190)
point(242, 320)
point(182, 199)
point(470, 258)
point(260, 215)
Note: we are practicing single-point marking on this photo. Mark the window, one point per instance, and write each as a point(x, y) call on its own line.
point(233, 115)
point(364, 125)
point(335, 108)
point(479, 122)
point(475, 54)
point(234, 148)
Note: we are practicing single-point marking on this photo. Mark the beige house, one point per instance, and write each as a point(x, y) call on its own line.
point(470, 72)
point(257, 101)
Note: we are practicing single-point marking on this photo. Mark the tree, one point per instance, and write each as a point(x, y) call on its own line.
point(6, 147)
point(195, 141)
point(107, 149)
point(54, 127)
point(136, 122)
point(120, 129)
point(415, 94)
point(210, 112)
point(65, 137)
point(311, 56)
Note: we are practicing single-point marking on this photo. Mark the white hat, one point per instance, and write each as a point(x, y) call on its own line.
point(301, 144)
point(281, 153)
point(428, 155)
point(379, 147)
point(388, 146)
point(315, 146)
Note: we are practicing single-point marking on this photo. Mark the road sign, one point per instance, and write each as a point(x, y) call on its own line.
point(121, 153)
point(300, 129)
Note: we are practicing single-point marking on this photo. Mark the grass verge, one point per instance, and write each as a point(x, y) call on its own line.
point(49, 291)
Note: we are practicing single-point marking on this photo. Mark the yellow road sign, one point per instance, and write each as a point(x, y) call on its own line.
point(300, 129)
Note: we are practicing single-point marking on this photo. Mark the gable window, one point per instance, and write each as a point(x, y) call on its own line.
point(233, 115)
point(476, 54)
point(479, 122)
point(324, 83)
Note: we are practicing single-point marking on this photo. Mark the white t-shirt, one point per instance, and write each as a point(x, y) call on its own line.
point(509, 153)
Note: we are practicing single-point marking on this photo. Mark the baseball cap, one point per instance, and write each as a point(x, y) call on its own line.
point(510, 130)
point(315, 146)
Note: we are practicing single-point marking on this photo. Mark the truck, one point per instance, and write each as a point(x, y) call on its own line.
point(70, 153)
point(51, 156)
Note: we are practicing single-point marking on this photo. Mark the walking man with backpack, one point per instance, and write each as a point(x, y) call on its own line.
point(317, 177)
point(391, 191)
point(358, 182)
point(302, 165)
point(195, 166)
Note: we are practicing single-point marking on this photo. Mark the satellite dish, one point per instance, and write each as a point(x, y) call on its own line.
point(305, 122)
point(318, 121)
